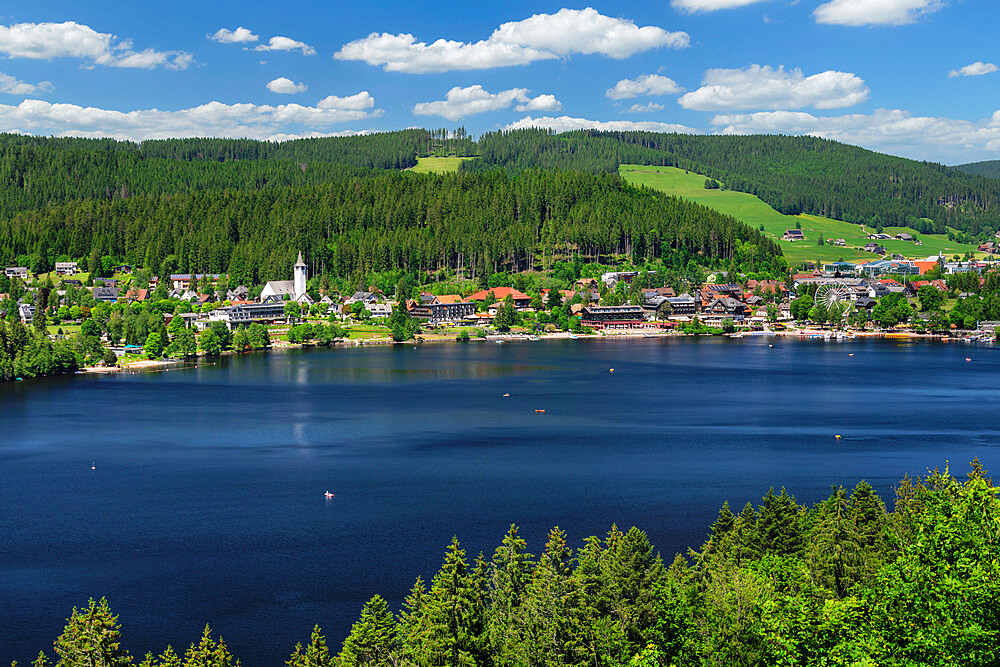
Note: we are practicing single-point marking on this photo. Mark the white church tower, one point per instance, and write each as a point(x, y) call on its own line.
point(299, 272)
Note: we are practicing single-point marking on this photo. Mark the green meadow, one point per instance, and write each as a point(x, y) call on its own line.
point(438, 165)
point(754, 212)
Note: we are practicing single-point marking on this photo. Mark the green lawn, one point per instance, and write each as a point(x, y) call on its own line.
point(755, 213)
point(363, 331)
point(68, 329)
point(439, 165)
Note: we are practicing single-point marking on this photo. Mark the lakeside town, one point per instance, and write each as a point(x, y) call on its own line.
point(135, 319)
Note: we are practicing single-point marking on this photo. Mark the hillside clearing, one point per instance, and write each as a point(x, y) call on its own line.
point(437, 165)
point(754, 212)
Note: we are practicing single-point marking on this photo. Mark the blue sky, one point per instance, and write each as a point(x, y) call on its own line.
point(917, 78)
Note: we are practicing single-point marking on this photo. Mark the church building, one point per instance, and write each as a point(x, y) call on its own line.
point(295, 289)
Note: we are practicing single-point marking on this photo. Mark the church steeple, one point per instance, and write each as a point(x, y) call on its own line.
point(299, 275)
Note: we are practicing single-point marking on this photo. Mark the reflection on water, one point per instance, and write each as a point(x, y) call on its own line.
point(207, 503)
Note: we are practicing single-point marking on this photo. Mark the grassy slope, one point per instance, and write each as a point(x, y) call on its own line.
point(426, 165)
point(755, 213)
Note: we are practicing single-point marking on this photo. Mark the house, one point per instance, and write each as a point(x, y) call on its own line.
point(364, 297)
point(245, 314)
point(16, 272)
point(914, 286)
point(134, 295)
point(106, 294)
point(840, 242)
point(189, 280)
point(600, 317)
point(874, 248)
point(379, 309)
point(241, 293)
point(682, 305)
point(878, 237)
point(71, 281)
point(124, 269)
point(727, 307)
point(903, 236)
point(865, 303)
point(651, 304)
point(793, 235)
point(612, 278)
point(445, 308)
point(521, 300)
point(67, 268)
point(26, 311)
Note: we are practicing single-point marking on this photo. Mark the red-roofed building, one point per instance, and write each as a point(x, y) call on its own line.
point(925, 266)
point(137, 294)
point(521, 300)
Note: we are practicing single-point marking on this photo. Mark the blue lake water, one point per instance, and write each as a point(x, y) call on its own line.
point(207, 503)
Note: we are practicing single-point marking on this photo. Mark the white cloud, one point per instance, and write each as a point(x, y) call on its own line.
point(45, 41)
point(541, 103)
point(12, 86)
point(644, 108)
point(357, 102)
point(874, 12)
point(461, 102)
point(763, 87)
point(214, 119)
point(239, 36)
point(286, 86)
point(647, 84)
point(539, 37)
point(977, 68)
point(567, 123)
point(692, 6)
point(279, 43)
point(889, 130)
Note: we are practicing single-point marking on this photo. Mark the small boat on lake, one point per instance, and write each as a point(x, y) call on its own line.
point(539, 410)
point(328, 494)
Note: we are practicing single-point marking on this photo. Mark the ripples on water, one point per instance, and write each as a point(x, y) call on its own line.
point(207, 501)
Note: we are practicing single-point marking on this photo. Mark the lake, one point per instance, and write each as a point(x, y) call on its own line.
point(207, 505)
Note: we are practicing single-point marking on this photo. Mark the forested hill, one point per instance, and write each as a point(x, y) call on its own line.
point(792, 174)
point(40, 171)
point(351, 225)
point(989, 168)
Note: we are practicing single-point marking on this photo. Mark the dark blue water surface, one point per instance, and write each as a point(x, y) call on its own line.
point(207, 503)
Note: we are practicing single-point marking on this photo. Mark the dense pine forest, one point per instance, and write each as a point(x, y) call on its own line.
point(240, 206)
point(37, 171)
point(355, 224)
point(792, 174)
point(844, 582)
point(988, 168)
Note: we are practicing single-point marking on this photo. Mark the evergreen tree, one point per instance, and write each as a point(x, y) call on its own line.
point(511, 572)
point(372, 640)
point(91, 638)
point(316, 654)
point(209, 653)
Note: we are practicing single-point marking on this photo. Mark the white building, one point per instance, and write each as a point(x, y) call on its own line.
point(295, 289)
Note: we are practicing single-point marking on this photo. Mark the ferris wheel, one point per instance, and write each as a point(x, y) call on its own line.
point(834, 297)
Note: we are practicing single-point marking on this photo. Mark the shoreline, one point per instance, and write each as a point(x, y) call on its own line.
point(155, 365)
